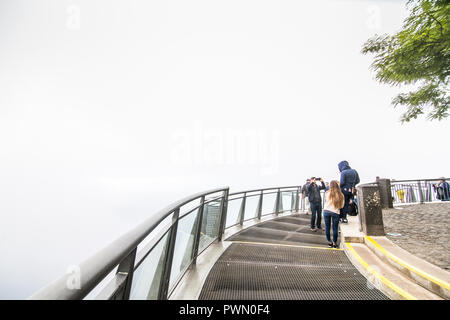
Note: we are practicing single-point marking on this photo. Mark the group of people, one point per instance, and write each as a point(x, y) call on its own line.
point(442, 190)
point(339, 195)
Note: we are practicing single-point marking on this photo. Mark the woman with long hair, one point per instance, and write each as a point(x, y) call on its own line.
point(334, 201)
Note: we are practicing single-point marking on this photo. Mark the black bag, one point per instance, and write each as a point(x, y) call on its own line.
point(352, 209)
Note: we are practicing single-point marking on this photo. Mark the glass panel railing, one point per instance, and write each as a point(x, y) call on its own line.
point(268, 203)
point(147, 277)
point(182, 255)
point(209, 228)
point(287, 201)
point(233, 212)
point(251, 204)
point(190, 206)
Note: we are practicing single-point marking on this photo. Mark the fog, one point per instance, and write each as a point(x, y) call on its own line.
point(111, 110)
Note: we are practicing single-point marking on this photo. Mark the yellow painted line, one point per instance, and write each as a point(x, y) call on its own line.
point(286, 245)
point(388, 283)
point(417, 271)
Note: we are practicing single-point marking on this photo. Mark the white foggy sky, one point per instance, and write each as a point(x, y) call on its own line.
point(103, 124)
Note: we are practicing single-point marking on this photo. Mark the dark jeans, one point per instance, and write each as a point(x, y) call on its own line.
point(316, 211)
point(331, 219)
point(344, 210)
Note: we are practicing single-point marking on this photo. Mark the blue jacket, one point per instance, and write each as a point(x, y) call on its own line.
point(443, 191)
point(349, 176)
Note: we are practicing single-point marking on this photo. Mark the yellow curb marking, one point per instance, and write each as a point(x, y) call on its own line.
point(419, 272)
point(388, 283)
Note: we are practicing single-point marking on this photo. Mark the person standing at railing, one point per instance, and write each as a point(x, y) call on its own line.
point(349, 179)
point(442, 190)
point(315, 202)
point(401, 195)
point(334, 201)
point(305, 195)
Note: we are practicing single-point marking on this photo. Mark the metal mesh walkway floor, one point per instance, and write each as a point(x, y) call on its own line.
point(294, 229)
point(293, 269)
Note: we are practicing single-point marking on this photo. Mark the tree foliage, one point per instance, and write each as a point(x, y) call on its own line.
point(417, 55)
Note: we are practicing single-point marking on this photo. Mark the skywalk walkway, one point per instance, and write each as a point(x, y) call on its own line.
point(253, 244)
point(283, 259)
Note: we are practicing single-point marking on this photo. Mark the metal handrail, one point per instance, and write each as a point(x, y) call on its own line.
point(97, 267)
point(122, 253)
point(413, 191)
point(415, 180)
point(264, 189)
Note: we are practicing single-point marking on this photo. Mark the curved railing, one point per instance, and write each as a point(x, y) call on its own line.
point(414, 191)
point(150, 260)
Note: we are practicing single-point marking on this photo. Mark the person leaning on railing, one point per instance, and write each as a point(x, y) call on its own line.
point(334, 201)
point(401, 195)
point(442, 190)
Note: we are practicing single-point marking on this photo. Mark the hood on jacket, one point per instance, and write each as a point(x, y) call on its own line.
point(343, 165)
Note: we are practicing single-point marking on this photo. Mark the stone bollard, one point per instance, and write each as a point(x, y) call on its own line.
point(385, 193)
point(371, 216)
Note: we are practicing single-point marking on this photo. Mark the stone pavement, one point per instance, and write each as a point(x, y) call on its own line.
point(424, 231)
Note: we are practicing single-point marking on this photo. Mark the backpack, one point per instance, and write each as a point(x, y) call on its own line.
point(352, 209)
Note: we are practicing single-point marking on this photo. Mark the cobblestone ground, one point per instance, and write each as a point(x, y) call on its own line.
point(424, 229)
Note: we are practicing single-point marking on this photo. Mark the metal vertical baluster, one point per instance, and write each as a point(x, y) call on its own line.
point(242, 209)
point(322, 193)
point(165, 281)
point(277, 203)
point(392, 192)
point(297, 200)
point(223, 214)
point(126, 267)
point(198, 230)
point(259, 208)
point(419, 190)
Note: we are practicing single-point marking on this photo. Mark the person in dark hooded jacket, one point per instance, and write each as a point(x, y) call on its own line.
point(442, 190)
point(315, 203)
point(349, 179)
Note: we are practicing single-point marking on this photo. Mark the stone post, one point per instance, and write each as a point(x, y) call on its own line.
point(371, 217)
point(385, 193)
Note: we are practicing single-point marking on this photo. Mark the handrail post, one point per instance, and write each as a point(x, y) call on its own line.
point(126, 267)
point(277, 203)
point(223, 214)
point(259, 208)
point(242, 209)
point(165, 280)
point(297, 200)
point(419, 190)
point(198, 230)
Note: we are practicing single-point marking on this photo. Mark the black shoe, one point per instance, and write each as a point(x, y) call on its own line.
point(330, 244)
point(335, 245)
